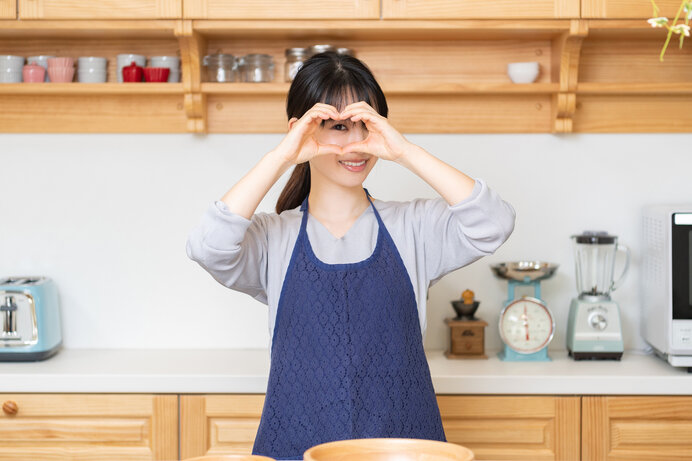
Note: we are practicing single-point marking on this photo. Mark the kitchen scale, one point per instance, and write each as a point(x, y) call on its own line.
point(526, 324)
point(593, 326)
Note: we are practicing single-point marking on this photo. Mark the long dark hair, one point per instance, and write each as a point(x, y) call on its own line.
point(329, 78)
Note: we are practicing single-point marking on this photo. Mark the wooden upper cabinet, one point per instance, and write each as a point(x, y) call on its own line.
point(8, 9)
point(101, 9)
point(469, 9)
point(626, 428)
point(627, 9)
point(84, 427)
point(282, 9)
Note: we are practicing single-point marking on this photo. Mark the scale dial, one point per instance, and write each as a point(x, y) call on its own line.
point(526, 325)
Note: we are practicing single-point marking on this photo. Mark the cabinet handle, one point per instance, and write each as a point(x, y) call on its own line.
point(10, 408)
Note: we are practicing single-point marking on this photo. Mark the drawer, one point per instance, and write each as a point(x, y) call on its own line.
point(88, 426)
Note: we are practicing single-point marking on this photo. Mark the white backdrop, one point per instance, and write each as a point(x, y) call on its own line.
point(107, 217)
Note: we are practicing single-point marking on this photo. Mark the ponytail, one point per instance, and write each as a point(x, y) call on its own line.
point(296, 189)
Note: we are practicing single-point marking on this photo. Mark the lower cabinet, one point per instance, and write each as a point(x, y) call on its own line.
point(81, 427)
point(494, 427)
point(90, 427)
point(219, 424)
point(513, 427)
point(633, 428)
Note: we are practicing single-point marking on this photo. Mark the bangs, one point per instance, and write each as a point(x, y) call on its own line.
point(340, 94)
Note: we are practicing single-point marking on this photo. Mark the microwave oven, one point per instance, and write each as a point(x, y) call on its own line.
point(666, 284)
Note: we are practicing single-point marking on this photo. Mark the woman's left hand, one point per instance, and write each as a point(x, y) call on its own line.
point(383, 140)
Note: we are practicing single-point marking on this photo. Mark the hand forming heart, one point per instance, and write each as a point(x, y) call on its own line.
point(383, 141)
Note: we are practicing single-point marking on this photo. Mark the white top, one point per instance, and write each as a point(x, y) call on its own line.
point(432, 237)
point(236, 371)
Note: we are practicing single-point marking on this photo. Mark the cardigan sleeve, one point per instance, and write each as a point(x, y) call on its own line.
point(457, 235)
point(232, 249)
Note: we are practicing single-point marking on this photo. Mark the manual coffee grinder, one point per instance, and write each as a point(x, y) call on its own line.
point(594, 327)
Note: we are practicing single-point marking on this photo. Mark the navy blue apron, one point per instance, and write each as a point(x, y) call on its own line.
point(347, 359)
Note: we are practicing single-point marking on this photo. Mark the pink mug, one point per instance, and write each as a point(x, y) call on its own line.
point(33, 73)
point(60, 62)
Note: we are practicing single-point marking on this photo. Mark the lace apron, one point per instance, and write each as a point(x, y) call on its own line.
point(347, 357)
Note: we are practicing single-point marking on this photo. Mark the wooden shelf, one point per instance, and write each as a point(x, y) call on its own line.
point(87, 29)
point(76, 88)
point(681, 88)
point(597, 75)
point(375, 29)
point(398, 88)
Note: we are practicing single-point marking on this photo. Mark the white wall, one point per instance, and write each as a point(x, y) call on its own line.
point(107, 216)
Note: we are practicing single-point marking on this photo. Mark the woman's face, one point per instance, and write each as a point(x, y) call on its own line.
point(348, 170)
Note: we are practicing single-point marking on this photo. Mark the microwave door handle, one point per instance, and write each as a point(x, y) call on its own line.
point(618, 282)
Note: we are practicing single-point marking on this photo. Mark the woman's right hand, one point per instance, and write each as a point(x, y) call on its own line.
point(300, 144)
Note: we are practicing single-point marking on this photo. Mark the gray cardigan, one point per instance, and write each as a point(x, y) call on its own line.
point(433, 239)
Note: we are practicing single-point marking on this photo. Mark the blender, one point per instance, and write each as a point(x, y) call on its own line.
point(594, 328)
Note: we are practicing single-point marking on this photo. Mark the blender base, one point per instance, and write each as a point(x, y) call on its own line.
point(595, 355)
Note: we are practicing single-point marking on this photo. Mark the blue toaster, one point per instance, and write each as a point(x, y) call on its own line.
point(29, 319)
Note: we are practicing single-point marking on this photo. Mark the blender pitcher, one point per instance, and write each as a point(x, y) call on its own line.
point(594, 257)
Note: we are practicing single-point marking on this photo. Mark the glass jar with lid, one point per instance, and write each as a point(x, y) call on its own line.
point(315, 49)
point(257, 68)
point(295, 57)
point(346, 51)
point(220, 67)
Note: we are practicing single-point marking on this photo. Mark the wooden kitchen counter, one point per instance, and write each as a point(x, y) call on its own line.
point(228, 371)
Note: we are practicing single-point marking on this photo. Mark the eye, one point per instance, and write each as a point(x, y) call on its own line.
point(336, 127)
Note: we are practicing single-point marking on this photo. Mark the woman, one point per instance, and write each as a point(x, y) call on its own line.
point(346, 281)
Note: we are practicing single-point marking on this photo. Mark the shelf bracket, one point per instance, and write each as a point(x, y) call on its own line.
point(192, 49)
point(567, 52)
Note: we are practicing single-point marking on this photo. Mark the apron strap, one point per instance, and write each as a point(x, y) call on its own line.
point(304, 208)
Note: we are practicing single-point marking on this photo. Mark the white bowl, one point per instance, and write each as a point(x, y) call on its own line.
point(174, 76)
point(92, 62)
point(91, 76)
point(172, 62)
point(10, 76)
point(8, 61)
point(523, 72)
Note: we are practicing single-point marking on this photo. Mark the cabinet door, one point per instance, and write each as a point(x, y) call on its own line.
point(614, 9)
point(101, 9)
point(499, 428)
point(625, 428)
point(88, 427)
point(513, 428)
point(219, 424)
point(8, 9)
point(463, 9)
point(282, 9)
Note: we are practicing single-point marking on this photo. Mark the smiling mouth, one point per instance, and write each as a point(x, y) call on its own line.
point(362, 162)
point(355, 166)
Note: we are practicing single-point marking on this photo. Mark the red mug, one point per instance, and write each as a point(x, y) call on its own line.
point(132, 73)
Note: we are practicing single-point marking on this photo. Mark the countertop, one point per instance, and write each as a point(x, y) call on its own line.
point(229, 371)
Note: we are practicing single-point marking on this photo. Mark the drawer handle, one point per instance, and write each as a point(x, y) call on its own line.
point(10, 408)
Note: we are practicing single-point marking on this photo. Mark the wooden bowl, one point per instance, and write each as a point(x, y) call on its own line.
point(231, 458)
point(391, 449)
